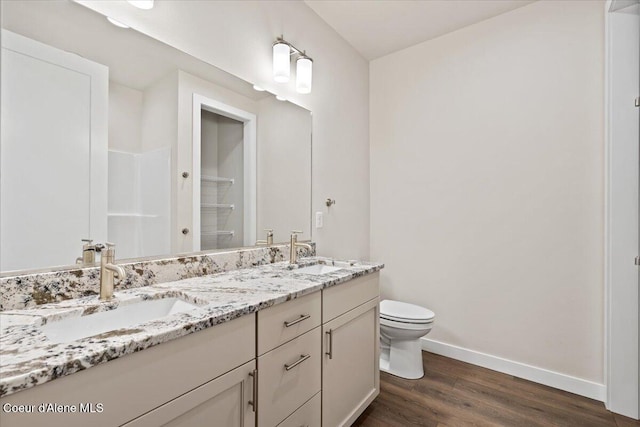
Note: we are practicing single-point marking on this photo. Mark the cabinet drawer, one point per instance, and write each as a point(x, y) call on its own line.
point(287, 377)
point(307, 415)
point(284, 322)
point(341, 298)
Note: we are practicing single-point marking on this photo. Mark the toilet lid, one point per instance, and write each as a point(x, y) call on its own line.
point(404, 312)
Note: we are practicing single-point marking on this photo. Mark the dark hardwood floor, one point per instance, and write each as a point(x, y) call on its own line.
point(454, 393)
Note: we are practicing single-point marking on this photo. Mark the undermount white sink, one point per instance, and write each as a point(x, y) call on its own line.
point(318, 269)
point(126, 316)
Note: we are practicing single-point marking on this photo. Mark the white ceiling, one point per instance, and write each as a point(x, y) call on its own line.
point(379, 27)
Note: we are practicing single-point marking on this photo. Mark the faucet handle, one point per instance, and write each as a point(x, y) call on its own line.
point(88, 241)
point(269, 240)
point(111, 249)
point(296, 232)
point(105, 246)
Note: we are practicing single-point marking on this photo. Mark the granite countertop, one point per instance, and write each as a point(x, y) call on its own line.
point(29, 358)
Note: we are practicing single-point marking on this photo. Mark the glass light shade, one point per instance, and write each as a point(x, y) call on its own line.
point(281, 62)
point(304, 72)
point(142, 4)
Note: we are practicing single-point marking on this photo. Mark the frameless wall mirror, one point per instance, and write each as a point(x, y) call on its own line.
point(110, 135)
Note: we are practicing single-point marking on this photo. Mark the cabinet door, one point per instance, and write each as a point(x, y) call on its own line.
point(226, 401)
point(350, 374)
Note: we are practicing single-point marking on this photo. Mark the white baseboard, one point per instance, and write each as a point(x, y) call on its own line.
point(539, 375)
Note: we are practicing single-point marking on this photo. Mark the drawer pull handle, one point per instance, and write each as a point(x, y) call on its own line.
point(330, 350)
point(298, 320)
point(254, 398)
point(303, 357)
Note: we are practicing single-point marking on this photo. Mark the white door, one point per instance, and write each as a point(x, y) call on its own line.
point(53, 155)
point(351, 345)
point(622, 47)
point(226, 401)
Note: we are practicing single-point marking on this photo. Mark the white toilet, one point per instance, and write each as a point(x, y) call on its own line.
point(401, 327)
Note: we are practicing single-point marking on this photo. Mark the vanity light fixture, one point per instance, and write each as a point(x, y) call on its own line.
point(117, 23)
point(282, 53)
point(280, 98)
point(281, 61)
point(304, 70)
point(258, 88)
point(142, 4)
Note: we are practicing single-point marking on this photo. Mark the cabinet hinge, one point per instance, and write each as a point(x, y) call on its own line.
point(637, 262)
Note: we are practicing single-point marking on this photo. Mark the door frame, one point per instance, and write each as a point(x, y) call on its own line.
point(621, 352)
point(249, 120)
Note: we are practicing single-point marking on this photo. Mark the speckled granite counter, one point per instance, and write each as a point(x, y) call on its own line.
point(28, 289)
point(29, 358)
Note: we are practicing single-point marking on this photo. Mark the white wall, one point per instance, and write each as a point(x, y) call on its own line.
point(237, 37)
point(125, 115)
point(283, 204)
point(487, 184)
point(159, 113)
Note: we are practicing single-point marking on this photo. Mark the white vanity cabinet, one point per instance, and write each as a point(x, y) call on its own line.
point(311, 361)
point(350, 356)
point(176, 381)
point(333, 335)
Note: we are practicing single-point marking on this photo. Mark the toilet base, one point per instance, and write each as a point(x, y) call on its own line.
point(402, 358)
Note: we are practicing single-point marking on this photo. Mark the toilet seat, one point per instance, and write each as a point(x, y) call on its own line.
point(402, 312)
point(406, 321)
point(408, 326)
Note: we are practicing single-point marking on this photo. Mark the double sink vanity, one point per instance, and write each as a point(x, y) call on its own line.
point(176, 156)
point(270, 345)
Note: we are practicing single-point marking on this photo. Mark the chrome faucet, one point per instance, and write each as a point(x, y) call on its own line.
point(108, 270)
point(88, 253)
point(293, 255)
point(269, 240)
